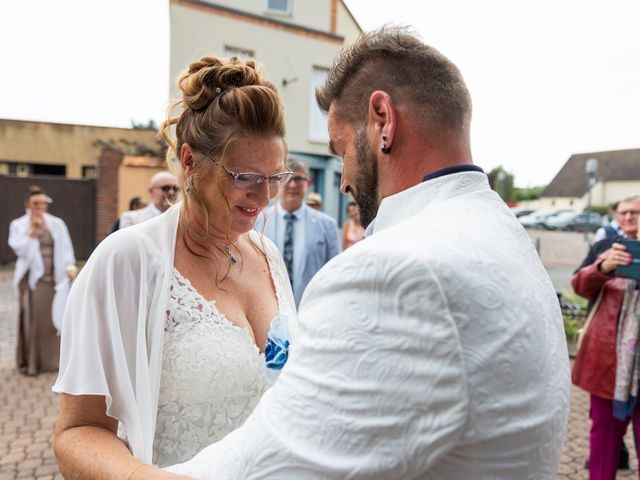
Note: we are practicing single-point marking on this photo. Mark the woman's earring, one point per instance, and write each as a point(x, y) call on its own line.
point(386, 150)
point(189, 187)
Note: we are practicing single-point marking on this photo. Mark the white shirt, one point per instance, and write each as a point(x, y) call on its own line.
point(433, 349)
point(299, 238)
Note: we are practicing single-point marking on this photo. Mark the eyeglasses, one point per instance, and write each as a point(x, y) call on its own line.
point(167, 188)
point(624, 213)
point(298, 180)
point(250, 180)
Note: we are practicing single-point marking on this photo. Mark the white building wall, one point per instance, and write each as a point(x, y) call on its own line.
point(285, 56)
point(314, 14)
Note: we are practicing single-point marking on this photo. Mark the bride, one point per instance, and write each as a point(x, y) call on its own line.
point(167, 326)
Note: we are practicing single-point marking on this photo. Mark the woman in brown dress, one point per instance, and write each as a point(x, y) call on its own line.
point(44, 268)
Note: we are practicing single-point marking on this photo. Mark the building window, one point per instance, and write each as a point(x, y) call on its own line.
point(4, 168)
point(88, 172)
point(242, 53)
point(283, 7)
point(317, 118)
point(22, 170)
point(41, 169)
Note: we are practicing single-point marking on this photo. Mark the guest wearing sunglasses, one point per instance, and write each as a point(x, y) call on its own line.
point(163, 190)
point(306, 238)
point(177, 325)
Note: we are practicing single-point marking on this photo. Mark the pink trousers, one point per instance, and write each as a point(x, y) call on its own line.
point(606, 437)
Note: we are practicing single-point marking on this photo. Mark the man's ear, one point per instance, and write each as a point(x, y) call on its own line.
point(382, 119)
point(186, 159)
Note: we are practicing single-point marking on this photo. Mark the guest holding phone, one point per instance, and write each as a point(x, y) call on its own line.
point(606, 364)
point(44, 268)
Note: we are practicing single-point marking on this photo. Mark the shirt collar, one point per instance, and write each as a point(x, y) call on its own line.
point(399, 206)
point(467, 167)
point(282, 212)
point(156, 211)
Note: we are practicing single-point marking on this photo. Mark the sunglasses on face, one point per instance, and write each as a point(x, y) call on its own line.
point(251, 180)
point(168, 188)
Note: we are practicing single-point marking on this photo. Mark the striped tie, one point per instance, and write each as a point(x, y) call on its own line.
point(287, 253)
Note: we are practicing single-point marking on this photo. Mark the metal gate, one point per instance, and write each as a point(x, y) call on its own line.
point(73, 200)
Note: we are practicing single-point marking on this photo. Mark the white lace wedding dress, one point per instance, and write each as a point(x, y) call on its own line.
point(213, 374)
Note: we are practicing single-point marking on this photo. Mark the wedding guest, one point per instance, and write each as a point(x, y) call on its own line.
point(177, 325)
point(44, 267)
point(352, 229)
point(305, 237)
point(135, 203)
point(314, 200)
point(163, 190)
point(435, 348)
point(602, 367)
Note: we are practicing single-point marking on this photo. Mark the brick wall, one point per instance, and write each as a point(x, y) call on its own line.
point(106, 191)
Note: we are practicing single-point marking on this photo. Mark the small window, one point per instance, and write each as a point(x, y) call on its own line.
point(283, 7)
point(42, 169)
point(88, 172)
point(22, 170)
point(242, 53)
point(4, 168)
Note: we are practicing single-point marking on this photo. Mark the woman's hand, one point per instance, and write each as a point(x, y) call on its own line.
point(37, 222)
point(72, 272)
point(617, 256)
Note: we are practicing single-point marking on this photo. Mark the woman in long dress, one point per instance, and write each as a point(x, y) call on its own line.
point(44, 267)
point(177, 326)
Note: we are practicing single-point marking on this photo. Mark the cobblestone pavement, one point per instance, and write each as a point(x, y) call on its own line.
point(28, 407)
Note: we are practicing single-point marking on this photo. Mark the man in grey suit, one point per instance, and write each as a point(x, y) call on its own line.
point(306, 238)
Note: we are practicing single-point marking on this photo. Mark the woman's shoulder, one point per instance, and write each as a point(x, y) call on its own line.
point(264, 243)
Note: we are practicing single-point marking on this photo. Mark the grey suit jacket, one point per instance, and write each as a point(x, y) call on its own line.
point(322, 242)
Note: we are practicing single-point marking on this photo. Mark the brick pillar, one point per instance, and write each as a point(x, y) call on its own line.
point(106, 191)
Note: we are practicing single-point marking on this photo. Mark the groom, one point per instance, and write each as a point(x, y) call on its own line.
point(435, 347)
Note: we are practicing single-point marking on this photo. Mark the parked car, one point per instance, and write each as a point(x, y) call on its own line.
point(574, 221)
point(560, 221)
point(593, 221)
point(521, 212)
point(536, 219)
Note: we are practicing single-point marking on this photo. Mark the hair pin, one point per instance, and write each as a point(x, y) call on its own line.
point(218, 90)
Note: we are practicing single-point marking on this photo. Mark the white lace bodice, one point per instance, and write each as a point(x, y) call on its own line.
point(212, 376)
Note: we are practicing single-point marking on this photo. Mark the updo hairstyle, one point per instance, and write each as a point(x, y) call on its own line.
point(223, 100)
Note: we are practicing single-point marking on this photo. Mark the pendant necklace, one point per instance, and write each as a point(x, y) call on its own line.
point(232, 259)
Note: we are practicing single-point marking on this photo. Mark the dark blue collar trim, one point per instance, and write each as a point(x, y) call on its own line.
point(455, 169)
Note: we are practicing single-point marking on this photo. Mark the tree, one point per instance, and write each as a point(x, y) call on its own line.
point(150, 125)
point(502, 182)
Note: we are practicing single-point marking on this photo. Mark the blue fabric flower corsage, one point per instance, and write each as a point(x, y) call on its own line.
point(276, 352)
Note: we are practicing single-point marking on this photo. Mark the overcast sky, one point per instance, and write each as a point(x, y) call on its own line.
point(548, 77)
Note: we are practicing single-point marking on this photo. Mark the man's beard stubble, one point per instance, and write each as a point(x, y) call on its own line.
point(365, 188)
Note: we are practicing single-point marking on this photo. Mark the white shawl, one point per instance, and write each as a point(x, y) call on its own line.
point(27, 250)
point(114, 326)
